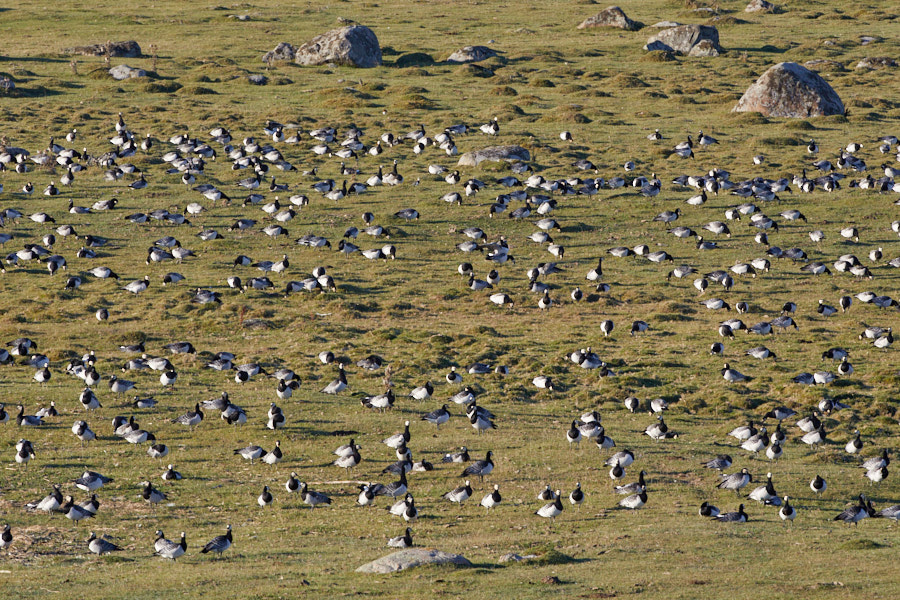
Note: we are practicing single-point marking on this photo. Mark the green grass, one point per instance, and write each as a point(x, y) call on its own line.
point(417, 313)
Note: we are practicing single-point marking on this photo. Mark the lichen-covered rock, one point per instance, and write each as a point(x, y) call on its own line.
point(823, 64)
point(283, 51)
point(412, 557)
point(354, 46)
point(513, 557)
point(471, 54)
point(683, 38)
point(129, 49)
point(876, 62)
point(760, 6)
point(790, 90)
point(125, 72)
point(704, 48)
point(495, 154)
point(610, 17)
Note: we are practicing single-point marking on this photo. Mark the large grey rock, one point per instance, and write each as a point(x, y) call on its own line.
point(471, 54)
point(125, 72)
point(412, 557)
point(354, 46)
point(610, 17)
point(495, 154)
point(283, 51)
point(683, 38)
point(760, 6)
point(129, 49)
point(790, 90)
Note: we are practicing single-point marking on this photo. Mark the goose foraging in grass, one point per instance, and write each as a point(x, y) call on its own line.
point(735, 481)
point(167, 548)
point(480, 468)
point(313, 499)
point(99, 546)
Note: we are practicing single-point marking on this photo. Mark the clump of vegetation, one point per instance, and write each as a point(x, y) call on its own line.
point(626, 81)
point(658, 56)
point(196, 90)
point(504, 90)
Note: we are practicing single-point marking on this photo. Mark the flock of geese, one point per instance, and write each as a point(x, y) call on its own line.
point(524, 196)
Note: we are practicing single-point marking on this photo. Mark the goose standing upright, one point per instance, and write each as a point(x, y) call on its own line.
point(553, 509)
point(219, 544)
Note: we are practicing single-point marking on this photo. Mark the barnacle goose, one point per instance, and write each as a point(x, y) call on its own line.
point(402, 541)
point(219, 544)
point(313, 499)
point(274, 456)
point(170, 474)
point(339, 384)
point(634, 487)
point(735, 481)
point(251, 453)
point(460, 494)
point(634, 501)
point(552, 509)
point(480, 468)
point(167, 548)
point(151, 494)
point(438, 416)
point(493, 499)
point(708, 510)
point(733, 517)
point(99, 546)
point(50, 503)
point(854, 514)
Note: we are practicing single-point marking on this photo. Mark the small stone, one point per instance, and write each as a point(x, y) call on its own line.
point(471, 54)
point(876, 62)
point(257, 79)
point(283, 51)
point(551, 580)
point(760, 6)
point(121, 72)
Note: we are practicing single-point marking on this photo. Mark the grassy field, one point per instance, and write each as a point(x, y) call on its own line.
point(418, 313)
